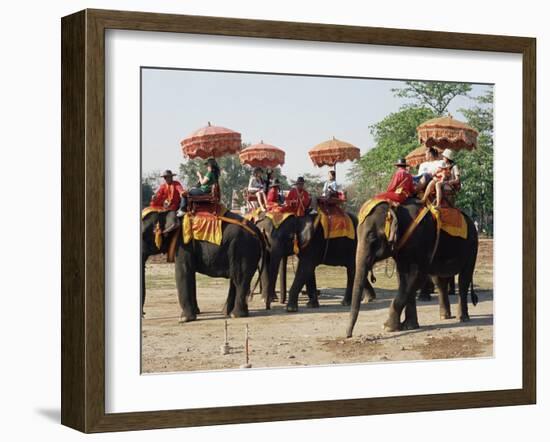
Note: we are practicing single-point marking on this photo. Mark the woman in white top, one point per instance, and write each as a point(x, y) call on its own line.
point(428, 168)
point(256, 186)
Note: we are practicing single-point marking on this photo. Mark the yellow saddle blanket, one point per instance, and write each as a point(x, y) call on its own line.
point(336, 223)
point(277, 218)
point(203, 226)
point(368, 207)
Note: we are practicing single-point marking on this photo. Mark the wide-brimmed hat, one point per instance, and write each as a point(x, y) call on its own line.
point(167, 172)
point(401, 162)
point(300, 180)
point(449, 154)
point(275, 183)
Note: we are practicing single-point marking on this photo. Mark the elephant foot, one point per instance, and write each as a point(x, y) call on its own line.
point(187, 318)
point(346, 302)
point(409, 325)
point(446, 316)
point(424, 297)
point(291, 308)
point(465, 318)
point(197, 311)
point(313, 303)
point(239, 313)
point(392, 326)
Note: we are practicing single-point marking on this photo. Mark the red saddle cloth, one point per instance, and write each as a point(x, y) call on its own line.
point(336, 222)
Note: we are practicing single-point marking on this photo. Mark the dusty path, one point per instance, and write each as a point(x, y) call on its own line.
point(311, 336)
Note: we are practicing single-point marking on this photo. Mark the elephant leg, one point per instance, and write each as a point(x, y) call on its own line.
point(368, 290)
point(240, 309)
point(464, 281)
point(408, 282)
point(312, 292)
point(350, 273)
point(452, 287)
point(411, 314)
point(230, 301)
point(426, 290)
point(185, 282)
point(265, 281)
point(444, 305)
point(303, 274)
point(282, 279)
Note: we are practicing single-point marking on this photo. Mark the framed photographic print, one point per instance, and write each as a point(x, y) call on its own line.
point(269, 221)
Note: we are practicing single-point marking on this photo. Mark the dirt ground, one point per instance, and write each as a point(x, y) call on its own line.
point(311, 336)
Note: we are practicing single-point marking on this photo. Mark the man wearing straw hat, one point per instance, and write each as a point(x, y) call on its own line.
point(167, 198)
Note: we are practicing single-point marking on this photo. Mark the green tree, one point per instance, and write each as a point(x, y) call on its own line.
point(435, 95)
point(476, 194)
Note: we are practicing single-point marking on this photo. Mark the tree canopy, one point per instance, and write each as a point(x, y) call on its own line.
point(434, 95)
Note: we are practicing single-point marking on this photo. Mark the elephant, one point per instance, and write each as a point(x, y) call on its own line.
point(414, 261)
point(236, 258)
point(148, 246)
point(314, 250)
point(279, 246)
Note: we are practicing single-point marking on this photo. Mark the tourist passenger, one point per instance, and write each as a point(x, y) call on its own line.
point(446, 180)
point(205, 184)
point(256, 186)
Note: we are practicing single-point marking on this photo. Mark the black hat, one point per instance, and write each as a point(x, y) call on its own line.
point(167, 172)
point(275, 183)
point(211, 162)
point(300, 180)
point(257, 170)
point(401, 162)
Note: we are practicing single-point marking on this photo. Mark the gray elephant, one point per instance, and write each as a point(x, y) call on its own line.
point(415, 260)
point(237, 258)
point(280, 238)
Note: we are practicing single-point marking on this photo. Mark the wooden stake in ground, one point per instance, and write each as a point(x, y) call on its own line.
point(247, 363)
point(225, 346)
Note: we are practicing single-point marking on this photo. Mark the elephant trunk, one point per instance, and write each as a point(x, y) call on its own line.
point(361, 269)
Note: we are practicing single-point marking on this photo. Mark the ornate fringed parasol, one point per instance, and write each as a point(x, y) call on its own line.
point(211, 142)
point(262, 155)
point(333, 151)
point(447, 133)
point(418, 156)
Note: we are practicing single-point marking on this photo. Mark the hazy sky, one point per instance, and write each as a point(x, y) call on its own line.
point(291, 112)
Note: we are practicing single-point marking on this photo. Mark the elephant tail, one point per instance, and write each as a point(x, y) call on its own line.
point(473, 294)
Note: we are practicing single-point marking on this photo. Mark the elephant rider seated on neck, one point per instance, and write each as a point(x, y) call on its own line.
point(168, 197)
point(204, 186)
point(401, 185)
point(298, 200)
point(446, 181)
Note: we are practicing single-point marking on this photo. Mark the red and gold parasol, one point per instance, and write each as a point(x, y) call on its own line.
point(211, 141)
point(262, 155)
point(418, 156)
point(447, 133)
point(333, 151)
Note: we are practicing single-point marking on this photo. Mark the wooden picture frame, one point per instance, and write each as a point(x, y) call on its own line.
point(83, 216)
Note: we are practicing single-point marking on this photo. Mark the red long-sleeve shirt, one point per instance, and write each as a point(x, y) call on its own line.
point(298, 201)
point(400, 188)
point(168, 196)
